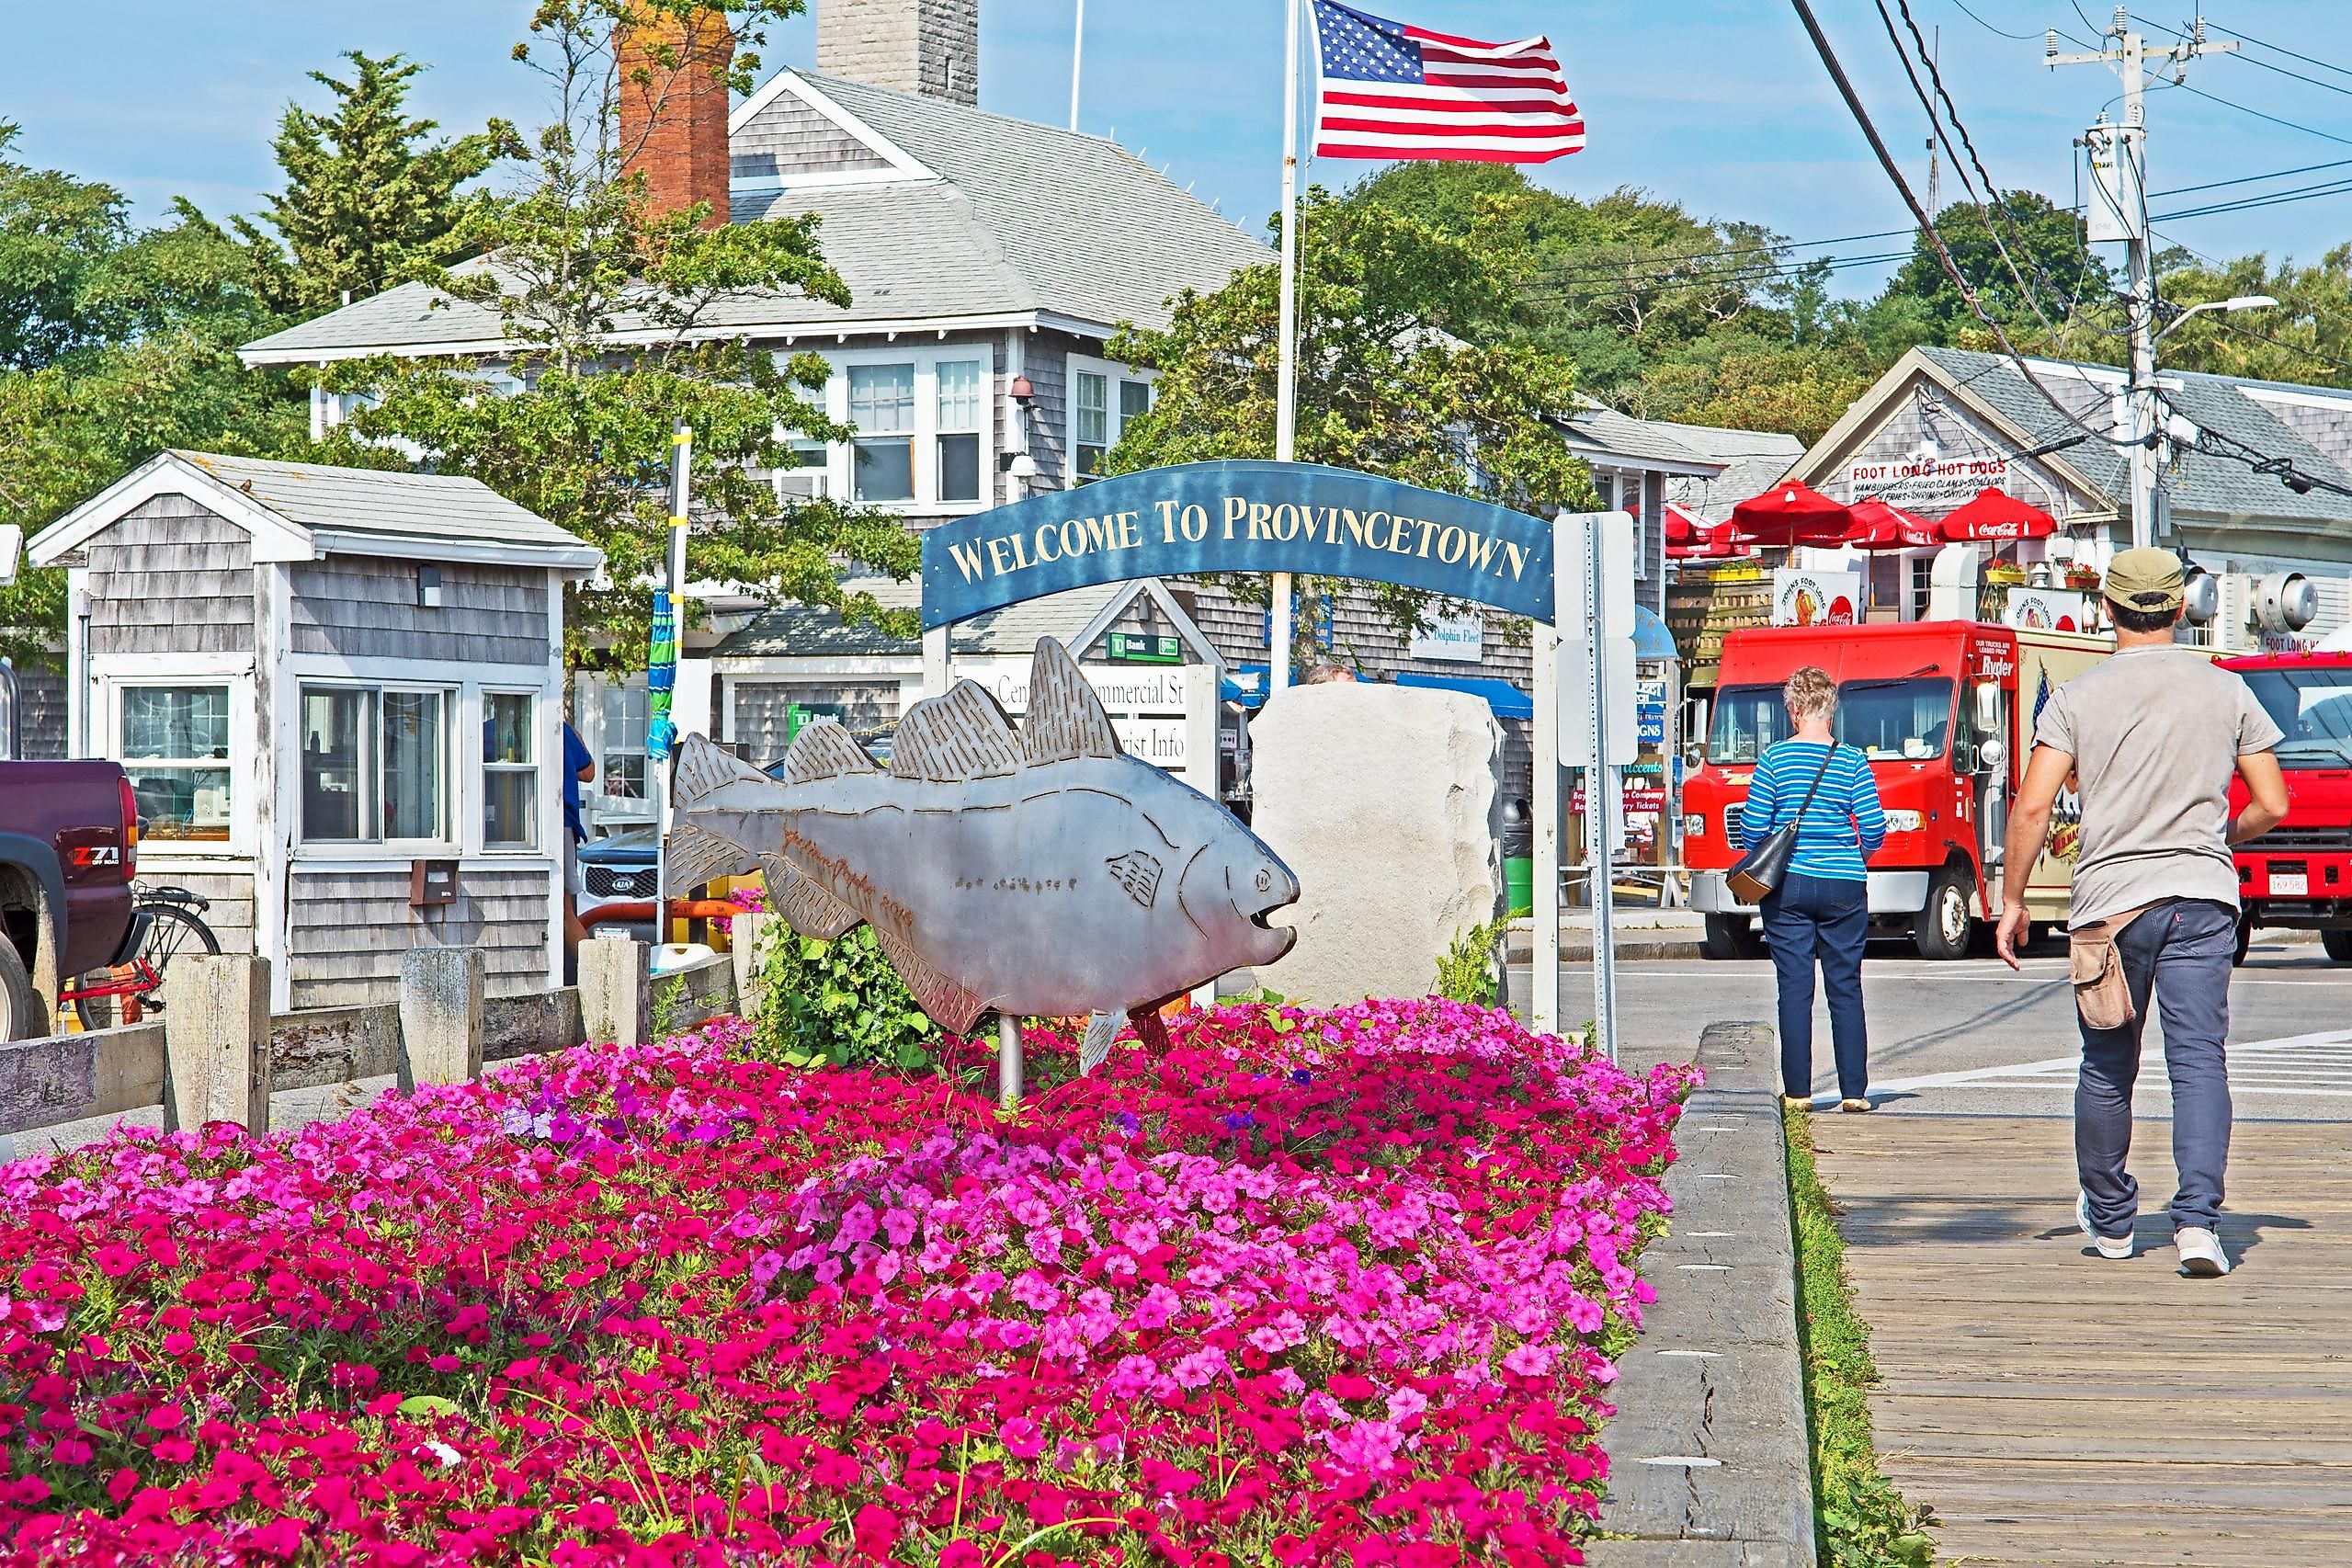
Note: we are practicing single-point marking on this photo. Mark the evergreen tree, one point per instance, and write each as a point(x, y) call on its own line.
point(368, 197)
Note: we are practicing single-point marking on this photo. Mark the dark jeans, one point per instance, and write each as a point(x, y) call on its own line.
point(2182, 950)
point(1809, 918)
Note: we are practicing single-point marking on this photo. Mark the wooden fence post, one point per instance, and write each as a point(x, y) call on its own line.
point(440, 1015)
point(216, 1041)
point(616, 991)
point(749, 941)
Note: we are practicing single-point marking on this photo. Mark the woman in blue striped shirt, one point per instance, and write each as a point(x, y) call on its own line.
point(1821, 910)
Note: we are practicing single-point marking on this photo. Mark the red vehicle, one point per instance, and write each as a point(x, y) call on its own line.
point(2300, 874)
point(69, 843)
point(1943, 710)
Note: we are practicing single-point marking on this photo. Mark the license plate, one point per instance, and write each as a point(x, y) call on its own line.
point(2291, 884)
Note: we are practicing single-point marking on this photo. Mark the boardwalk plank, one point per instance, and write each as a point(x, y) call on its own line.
point(2058, 1408)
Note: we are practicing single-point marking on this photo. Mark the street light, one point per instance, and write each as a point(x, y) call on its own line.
point(2237, 302)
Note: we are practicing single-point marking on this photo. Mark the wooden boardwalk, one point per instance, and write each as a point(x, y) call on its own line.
point(2056, 1407)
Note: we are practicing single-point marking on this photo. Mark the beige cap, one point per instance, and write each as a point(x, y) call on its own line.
point(2146, 579)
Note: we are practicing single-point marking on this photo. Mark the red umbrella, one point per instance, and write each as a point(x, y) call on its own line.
point(1878, 526)
point(1995, 515)
point(1793, 514)
point(1682, 525)
point(1702, 540)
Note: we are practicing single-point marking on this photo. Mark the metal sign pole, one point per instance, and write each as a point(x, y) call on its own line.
point(1600, 804)
point(1544, 1006)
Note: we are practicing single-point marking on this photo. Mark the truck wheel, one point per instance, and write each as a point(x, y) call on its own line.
point(2245, 939)
point(1732, 936)
point(2338, 945)
point(21, 1014)
point(1942, 929)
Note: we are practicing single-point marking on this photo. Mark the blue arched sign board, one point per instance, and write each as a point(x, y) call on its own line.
point(1238, 516)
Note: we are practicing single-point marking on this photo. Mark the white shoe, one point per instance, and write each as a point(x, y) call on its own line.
point(2109, 1246)
point(2201, 1256)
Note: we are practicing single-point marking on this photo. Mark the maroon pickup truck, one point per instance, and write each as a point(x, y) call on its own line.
point(69, 845)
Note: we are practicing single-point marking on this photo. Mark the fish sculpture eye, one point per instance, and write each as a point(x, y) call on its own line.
point(1265, 879)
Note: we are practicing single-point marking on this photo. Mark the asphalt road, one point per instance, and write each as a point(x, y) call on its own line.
point(1971, 1036)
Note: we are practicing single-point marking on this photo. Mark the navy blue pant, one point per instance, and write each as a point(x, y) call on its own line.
point(2181, 950)
point(1819, 919)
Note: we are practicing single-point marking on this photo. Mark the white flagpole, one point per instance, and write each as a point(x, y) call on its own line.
point(1286, 392)
point(1077, 51)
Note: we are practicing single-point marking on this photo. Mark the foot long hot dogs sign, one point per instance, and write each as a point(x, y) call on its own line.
point(1238, 516)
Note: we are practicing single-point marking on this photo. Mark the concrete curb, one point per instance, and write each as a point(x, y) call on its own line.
point(1715, 1376)
point(1651, 952)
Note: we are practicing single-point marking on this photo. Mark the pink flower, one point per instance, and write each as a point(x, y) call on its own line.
point(1021, 1437)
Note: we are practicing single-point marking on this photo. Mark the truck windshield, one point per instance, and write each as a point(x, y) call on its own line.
point(2314, 709)
point(1747, 720)
point(1911, 720)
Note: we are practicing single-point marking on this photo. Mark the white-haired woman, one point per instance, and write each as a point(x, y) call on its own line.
point(1820, 912)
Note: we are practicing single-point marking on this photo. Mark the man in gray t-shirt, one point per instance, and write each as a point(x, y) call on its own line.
point(2153, 737)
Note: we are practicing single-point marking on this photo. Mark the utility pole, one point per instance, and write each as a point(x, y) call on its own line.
point(2117, 210)
point(1934, 174)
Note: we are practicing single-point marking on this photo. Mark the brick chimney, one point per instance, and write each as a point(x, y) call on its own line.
point(930, 47)
point(674, 109)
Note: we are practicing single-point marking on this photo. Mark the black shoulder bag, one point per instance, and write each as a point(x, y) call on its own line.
point(1761, 869)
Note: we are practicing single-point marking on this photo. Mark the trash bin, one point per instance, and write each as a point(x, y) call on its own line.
point(1519, 858)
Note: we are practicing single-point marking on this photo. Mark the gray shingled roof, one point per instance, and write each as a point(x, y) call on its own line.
point(2208, 487)
point(385, 504)
point(1602, 432)
point(1754, 460)
point(1016, 222)
point(798, 631)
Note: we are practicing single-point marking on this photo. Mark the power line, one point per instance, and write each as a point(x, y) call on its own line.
point(2274, 49)
point(2253, 179)
point(1748, 279)
point(1927, 225)
point(2291, 125)
point(2248, 204)
point(2280, 344)
point(2250, 59)
point(1598, 268)
point(2003, 32)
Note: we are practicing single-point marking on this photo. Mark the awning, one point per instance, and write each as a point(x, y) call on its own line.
point(1878, 526)
point(1507, 700)
point(1651, 638)
point(1791, 514)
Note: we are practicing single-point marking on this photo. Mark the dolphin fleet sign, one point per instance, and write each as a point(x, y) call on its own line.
point(1238, 516)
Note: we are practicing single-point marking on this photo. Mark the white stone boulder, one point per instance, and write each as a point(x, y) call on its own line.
point(1382, 800)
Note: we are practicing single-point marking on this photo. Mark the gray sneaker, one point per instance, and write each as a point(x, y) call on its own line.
point(2201, 1256)
point(2109, 1246)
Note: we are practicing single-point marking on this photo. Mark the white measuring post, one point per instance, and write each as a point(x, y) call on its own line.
point(1543, 1010)
point(1593, 594)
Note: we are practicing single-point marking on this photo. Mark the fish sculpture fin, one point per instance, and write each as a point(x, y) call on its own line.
point(1150, 1028)
point(1065, 717)
point(1137, 872)
point(812, 911)
point(952, 1005)
point(824, 751)
point(696, 854)
point(961, 735)
point(1101, 1029)
point(704, 768)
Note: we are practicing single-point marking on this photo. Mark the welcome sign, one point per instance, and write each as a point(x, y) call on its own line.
point(1238, 516)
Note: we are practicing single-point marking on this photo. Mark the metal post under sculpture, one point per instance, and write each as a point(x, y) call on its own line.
point(1036, 872)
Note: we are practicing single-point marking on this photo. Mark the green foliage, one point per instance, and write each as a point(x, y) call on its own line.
point(604, 304)
point(1384, 385)
point(1466, 972)
point(839, 1004)
point(115, 343)
point(367, 196)
point(1861, 1519)
point(2307, 338)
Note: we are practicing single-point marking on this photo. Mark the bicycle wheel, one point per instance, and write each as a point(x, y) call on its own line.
point(171, 931)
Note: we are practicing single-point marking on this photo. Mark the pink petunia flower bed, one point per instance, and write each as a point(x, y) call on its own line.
point(1310, 1287)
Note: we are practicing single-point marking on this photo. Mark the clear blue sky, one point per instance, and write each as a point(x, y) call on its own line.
point(1717, 103)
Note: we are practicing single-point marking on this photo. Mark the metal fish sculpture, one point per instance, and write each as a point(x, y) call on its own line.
point(1037, 872)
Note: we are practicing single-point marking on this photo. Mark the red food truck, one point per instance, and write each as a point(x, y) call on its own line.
point(1945, 712)
point(2300, 874)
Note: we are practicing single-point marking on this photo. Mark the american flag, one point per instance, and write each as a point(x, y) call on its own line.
point(1388, 90)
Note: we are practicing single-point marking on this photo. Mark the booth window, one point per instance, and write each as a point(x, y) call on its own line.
point(881, 406)
point(509, 772)
point(373, 765)
point(960, 409)
point(176, 749)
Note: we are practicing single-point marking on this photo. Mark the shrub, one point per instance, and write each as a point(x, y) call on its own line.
point(840, 1003)
point(1466, 969)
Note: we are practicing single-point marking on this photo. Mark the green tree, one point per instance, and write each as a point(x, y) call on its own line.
point(578, 267)
point(2307, 338)
point(118, 343)
point(2055, 278)
point(1383, 385)
point(368, 197)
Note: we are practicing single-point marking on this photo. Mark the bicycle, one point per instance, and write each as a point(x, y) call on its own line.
point(168, 922)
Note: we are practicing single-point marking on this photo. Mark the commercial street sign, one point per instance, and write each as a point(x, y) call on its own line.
point(1238, 516)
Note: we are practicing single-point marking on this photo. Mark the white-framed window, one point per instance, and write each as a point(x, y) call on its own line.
point(1104, 398)
point(374, 764)
point(881, 406)
point(509, 771)
point(172, 741)
point(926, 430)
